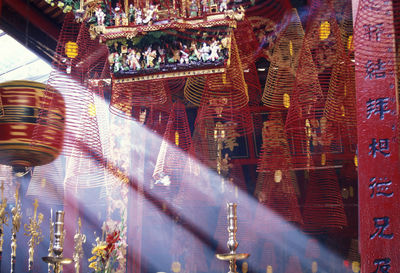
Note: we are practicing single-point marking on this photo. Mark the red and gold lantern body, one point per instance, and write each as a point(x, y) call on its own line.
point(32, 120)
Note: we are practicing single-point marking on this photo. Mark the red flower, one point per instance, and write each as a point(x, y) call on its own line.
point(111, 240)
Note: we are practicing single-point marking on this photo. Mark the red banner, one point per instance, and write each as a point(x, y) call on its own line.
point(378, 148)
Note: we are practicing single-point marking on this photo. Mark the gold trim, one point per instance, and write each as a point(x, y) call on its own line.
point(110, 33)
point(170, 75)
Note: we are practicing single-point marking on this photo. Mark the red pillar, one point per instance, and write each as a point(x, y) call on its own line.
point(378, 148)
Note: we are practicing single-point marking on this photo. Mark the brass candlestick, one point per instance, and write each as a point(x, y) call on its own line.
point(58, 260)
point(79, 240)
point(33, 230)
point(232, 244)
point(50, 266)
point(3, 218)
point(16, 222)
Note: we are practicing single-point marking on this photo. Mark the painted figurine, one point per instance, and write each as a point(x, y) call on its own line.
point(132, 60)
point(118, 14)
point(150, 56)
point(204, 52)
point(161, 53)
point(117, 62)
point(100, 15)
point(205, 6)
point(131, 14)
point(151, 14)
point(184, 55)
point(215, 49)
point(138, 17)
point(195, 54)
point(193, 9)
point(223, 6)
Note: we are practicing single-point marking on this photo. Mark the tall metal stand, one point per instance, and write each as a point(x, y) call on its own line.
point(3, 219)
point(79, 240)
point(58, 260)
point(16, 222)
point(232, 244)
point(33, 230)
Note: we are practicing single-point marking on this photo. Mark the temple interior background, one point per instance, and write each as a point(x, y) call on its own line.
point(166, 117)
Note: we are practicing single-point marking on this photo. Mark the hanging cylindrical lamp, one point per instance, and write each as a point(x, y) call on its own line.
point(32, 123)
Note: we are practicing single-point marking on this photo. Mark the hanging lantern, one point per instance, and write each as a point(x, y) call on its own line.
point(71, 49)
point(31, 123)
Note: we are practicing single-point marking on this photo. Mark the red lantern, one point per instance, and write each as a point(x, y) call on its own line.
point(31, 123)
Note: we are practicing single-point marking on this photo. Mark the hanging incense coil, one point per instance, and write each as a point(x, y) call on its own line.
point(74, 66)
point(157, 118)
point(282, 70)
point(293, 265)
point(248, 43)
point(275, 153)
point(323, 207)
point(47, 183)
point(29, 110)
point(86, 169)
point(194, 88)
point(276, 186)
point(267, 260)
point(318, 75)
point(174, 147)
point(144, 93)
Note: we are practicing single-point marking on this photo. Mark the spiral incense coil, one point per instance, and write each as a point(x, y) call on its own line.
point(172, 155)
point(47, 183)
point(293, 265)
point(78, 59)
point(282, 70)
point(275, 153)
point(194, 88)
point(248, 43)
point(340, 104)
point(146, 93)
point(323, 207)
point(253, 85)
point(318, 77)
point(276, 185)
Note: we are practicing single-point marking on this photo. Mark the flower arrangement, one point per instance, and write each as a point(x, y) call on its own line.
point(106, 253)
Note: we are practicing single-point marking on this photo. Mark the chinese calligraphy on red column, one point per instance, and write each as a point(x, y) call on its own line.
point(377, 141)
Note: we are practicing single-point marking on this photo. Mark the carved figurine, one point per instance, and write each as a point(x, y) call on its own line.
point(150, 56)
point(117, 62)
point(161, 53)
point(132, 60)
point(184, 55)
point(205, 6)
point(131, 13)
point(193, 9)
point(138, 17)
point(151, 14)
point(118, 14)
point(195, 54)
point(223, 6)
point(215, 49)
point(100, 15)
point(205, 52)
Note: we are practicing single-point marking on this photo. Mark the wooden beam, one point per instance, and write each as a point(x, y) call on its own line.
point(35, 17)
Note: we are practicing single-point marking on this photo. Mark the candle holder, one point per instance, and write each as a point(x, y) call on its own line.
point(232, 243)
point(16, 222)
point(33, 230)
point(79, 240)
point(57, 259)
point(3, 218)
